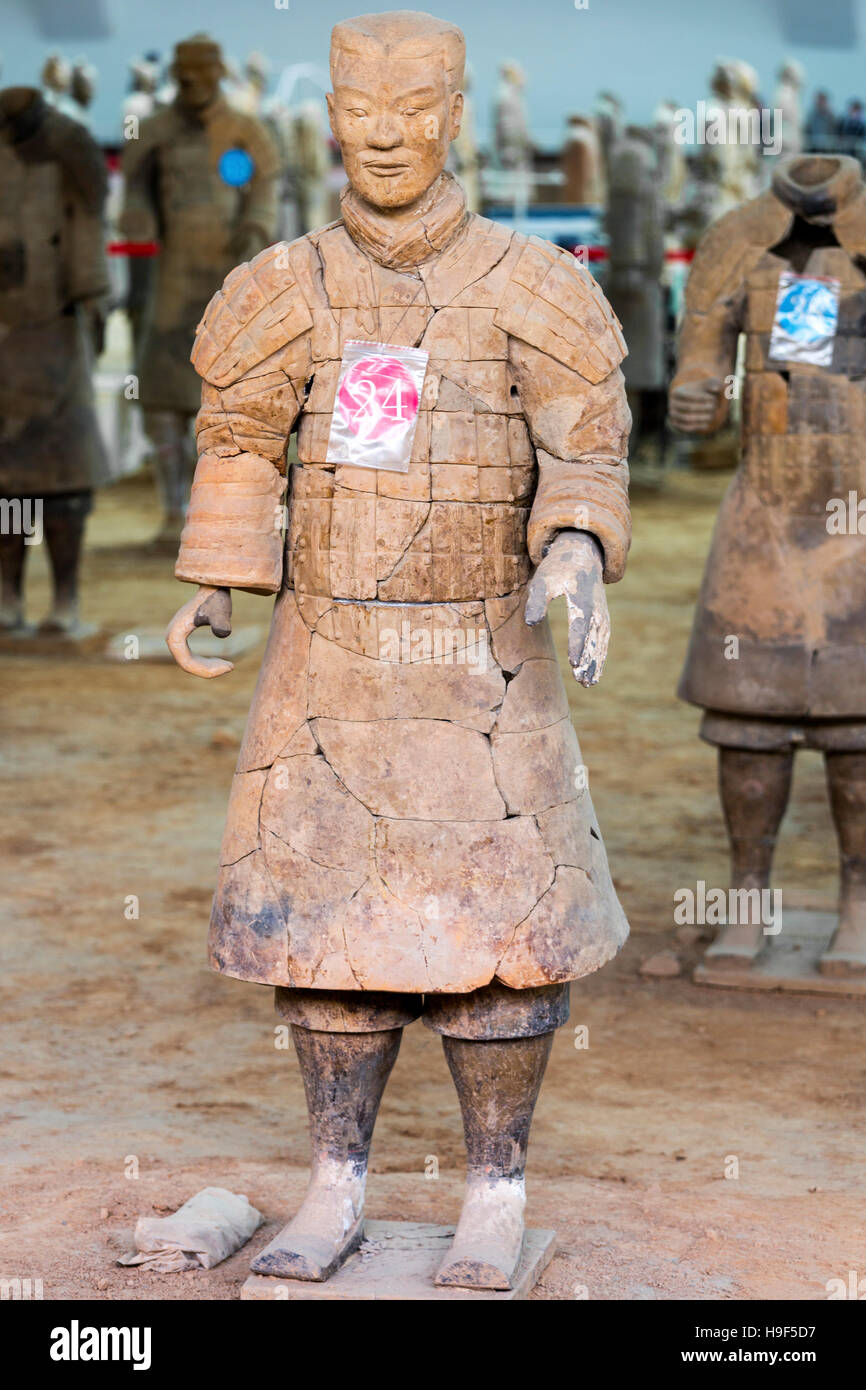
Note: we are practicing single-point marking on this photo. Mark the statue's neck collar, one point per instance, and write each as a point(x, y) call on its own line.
point(401, 239)
point(817, 187)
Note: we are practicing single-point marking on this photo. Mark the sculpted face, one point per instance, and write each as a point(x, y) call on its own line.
point(394, 119)
point(198, 79)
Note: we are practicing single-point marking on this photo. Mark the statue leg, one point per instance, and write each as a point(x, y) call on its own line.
point(344, 1074)
point(846, 781)
point(754, 789)
point(168, 432)
point(497, 1084)
point(64, 522)
point(498, 1078)
point(13, 555)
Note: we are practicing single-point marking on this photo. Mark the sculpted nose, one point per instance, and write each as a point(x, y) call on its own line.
point(385, 133)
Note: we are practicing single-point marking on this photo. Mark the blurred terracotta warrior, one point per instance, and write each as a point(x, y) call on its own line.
point(787, 109)
point(200, 180)
point(82, 90)
point(57, 83)
point(309, 162)
point(53, 288)
point(139, 103)
point(671, 158)
point(732, 163)
point(636, 258)
point(512, 141)
point(583, 173)
point(249, 94)
point(464, 149)
point(140, 100)
point(609, 122)
point(778, 650)
point(410, 831)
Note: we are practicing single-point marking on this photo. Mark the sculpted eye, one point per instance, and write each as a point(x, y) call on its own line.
point(356, 111)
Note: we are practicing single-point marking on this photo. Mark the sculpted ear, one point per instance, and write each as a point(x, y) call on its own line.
point(330, 100)
point(456, 115)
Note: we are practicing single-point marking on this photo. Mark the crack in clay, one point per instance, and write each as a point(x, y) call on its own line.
point(283, 753)
point(348, 790)
point(525, 919)
point(536, 728)
point(346, 905)
point(304, 853)
point(478, 278)
point(407, 547)
point(230, 863)
point(416, 302)
point(407, 907)
point(479, 405)
point(544, 850)
point(462, 723)
point(378, 815)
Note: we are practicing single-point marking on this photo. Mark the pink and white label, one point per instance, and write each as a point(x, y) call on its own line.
point(376, 406)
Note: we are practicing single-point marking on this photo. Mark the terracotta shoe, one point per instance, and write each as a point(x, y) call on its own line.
point(845, 957)
point(489, 1238)
point(327, 1228)
point(736, 946)
point(301, 1255)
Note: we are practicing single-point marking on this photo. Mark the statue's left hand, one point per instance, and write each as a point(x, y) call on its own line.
point(573, 566)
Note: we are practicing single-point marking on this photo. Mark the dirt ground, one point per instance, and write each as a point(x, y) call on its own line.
point(132, 1077)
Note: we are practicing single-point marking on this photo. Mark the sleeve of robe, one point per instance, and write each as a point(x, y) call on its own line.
point(252, 353)
point(714, 304)
point(565, 347)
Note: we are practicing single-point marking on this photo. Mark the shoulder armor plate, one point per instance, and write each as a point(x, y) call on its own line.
point(259, 310)
point(554, 304)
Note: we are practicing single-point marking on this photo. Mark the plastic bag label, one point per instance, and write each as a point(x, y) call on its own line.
point(807, 314)
point(376, 406)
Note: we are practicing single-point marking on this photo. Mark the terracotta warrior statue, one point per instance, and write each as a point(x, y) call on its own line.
point(778, 649)
point(53, 299)
point(409, 833)
point(636, 261)
point(199, 179)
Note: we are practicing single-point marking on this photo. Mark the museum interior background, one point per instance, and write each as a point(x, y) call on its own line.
point(700, 1134)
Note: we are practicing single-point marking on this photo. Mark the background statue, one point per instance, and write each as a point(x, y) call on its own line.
point(635, 233)
point(53, 289)
point(777, 657)
point(199, 179)
point(82, 89)
point(465, 155)
point(787, 109)
point(583, 173)
point(56, 83)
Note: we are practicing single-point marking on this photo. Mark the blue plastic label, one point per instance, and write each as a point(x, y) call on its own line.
point(236, 167)
point(807, 314)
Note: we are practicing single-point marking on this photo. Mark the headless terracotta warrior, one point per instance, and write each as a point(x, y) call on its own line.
point(783, 578)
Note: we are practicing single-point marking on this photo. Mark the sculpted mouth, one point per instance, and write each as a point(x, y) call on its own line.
point(380, 166)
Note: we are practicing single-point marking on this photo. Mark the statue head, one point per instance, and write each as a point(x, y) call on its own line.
point(82, 88)
point(397, 102)
point(56, 73)
point(197, 69)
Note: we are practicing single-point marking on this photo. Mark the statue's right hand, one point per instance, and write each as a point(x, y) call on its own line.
point(693, 408)
point(208, 608)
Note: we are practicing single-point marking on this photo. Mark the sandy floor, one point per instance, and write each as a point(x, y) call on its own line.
point(132, 1077)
